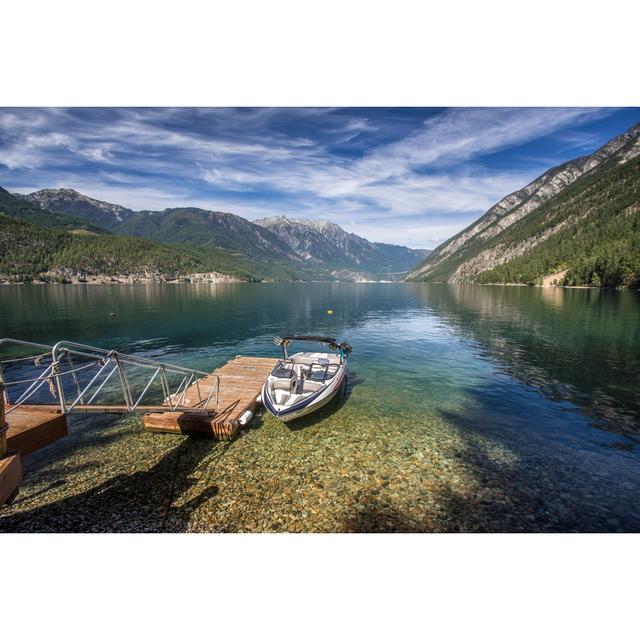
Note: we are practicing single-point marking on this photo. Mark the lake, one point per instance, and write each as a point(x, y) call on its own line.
point(467, 408)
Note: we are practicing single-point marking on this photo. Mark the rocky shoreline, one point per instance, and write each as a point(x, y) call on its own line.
point(66, 276)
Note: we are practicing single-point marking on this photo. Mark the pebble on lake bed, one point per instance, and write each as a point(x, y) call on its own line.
point(337, 471)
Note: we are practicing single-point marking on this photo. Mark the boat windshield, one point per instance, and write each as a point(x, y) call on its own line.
point(321, 371)
point(282, 369)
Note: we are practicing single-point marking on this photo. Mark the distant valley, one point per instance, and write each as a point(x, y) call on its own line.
point(181, 243)
point(325, 243)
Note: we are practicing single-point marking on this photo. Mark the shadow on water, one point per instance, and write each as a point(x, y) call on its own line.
point(541, 486)
point(135, 502)
point(84, 431)
point(352, 381)
point(379, 516)
point(324, 412)
point(517, 479)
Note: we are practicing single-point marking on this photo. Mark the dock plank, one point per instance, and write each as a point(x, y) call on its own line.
point(241, 381)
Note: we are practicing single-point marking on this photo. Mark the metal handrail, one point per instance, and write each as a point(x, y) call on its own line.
point(25, 343)
point(63, 348)
point(111, 361)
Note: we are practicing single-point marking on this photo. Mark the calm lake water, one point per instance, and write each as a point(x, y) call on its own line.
point(467, 408)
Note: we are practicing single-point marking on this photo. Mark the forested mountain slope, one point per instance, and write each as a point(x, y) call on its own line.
point(34, 214)
point(292, 249)
point(580, 217)
point(33, 252)
point(208, 229)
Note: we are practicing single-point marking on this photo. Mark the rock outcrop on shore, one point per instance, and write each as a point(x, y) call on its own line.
point(68, 276)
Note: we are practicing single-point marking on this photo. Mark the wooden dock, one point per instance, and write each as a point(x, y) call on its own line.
point(32, 427)
point(26, 429)
point(241, 381)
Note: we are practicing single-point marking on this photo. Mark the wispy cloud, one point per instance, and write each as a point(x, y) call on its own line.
point(411, 176)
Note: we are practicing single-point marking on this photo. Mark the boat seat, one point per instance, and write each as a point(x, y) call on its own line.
point(308, 386)
point(284, 376)
point(281, 396)
point(284, 384)
point(311, 358)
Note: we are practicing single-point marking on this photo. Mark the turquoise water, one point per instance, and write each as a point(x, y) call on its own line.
point(529, 392)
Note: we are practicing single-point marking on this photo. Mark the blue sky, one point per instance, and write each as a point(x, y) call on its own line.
point(406, 176)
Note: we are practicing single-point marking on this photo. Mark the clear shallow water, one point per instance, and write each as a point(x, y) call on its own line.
point(481, 408)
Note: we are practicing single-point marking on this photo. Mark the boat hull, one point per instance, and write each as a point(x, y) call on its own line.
point(308, 405)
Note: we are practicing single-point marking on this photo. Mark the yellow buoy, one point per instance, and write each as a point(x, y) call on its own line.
point(330, 312)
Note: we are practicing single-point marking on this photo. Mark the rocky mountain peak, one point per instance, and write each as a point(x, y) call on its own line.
point(72, 202)
point(323, 242)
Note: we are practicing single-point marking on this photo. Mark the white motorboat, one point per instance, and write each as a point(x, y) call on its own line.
point(304, 382)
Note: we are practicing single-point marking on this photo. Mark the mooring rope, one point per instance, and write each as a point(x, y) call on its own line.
point(52, 375)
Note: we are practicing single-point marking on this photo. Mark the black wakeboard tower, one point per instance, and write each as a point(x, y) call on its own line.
point(343, 347)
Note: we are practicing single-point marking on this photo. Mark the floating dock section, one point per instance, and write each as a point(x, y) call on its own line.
point(32, 427)
point(241, 381)
point(23, 431)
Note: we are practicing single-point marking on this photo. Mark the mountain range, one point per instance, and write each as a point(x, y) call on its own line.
point(577, 224)
point(269, 249)
point(326, 243)
point(39, 245)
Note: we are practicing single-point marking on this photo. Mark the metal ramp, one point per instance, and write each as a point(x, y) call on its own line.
point(83, 378)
